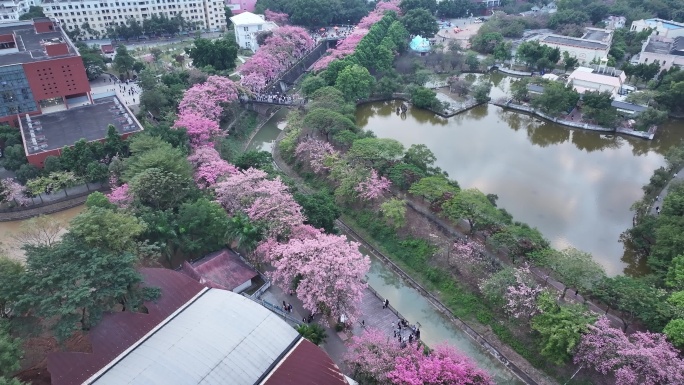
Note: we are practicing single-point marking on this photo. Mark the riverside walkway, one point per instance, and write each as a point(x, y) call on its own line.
point(678, 178)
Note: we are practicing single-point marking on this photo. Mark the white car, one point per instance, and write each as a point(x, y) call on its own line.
point(477, 21)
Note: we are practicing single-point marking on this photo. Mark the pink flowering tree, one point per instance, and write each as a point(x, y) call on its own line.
point(200, 129)
point(469, 257)
point(266, 202)
point(208, 99)
point(314, 152)
point(373, 187)
point(11, 191)
point(343, 49)
point(209, 167)
point(444, 365)
point(329, 272)
point(121, 196)
point(373, 355)
point(639, 359)
point(521, 298)
point(280, 50)
point(277, 17)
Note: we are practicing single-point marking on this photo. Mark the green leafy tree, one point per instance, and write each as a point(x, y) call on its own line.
point(422, 97)
point(328, 122)
point(312, 84)
point(597, 106)
point(429, 5)
point(355, 82)
point(13, 157)
point(254, 159)
point(10, 273)
point(160, 189)
point(502, 51)
point(473, 206)
point(519, 89)
point(569, 62)
point(74, 284)
point(420, 156)
point(453, 8)
point(481, 91)
point(560, 328)
point(26, 172)
point(472, 61)
point(10, 351)
point(486, 43)
point(519, 240)
point(635, 298)
point(675, 274)
point(220, 54)
point(244, 234)
point(556, 99)
point(33, 12)
point(313, 332)
point(420, 22)
point(435, 188)
point(378, 153)
point(577, 269)
point(201, 227)
point(320, 210)
point(151, 152)
point(106, 229)
point(403, 175)
point(394, 212)
point(650, 117)
point(93, 61)
point(675, 332)
point(123, 61)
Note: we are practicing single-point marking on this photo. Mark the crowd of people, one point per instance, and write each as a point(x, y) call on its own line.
point(331, 32)
point(274, 97)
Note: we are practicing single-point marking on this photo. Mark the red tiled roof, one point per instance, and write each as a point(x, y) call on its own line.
point(307, 364)
point(223, 269)
point(119, 331)
point(107, 48)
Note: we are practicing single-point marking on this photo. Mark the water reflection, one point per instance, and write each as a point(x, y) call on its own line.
point(575, 186)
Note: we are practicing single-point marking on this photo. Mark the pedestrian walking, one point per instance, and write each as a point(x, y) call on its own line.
point(386, 304)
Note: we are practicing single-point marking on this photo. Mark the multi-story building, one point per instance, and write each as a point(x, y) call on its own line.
point(12, 9)
point(664, 51)
point(660, 27)
point(39, 68)
point(240, 6)
point(208, 15)
point(593, 46)
point(247, 26)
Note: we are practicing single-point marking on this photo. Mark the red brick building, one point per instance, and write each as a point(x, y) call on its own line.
point(39, 67)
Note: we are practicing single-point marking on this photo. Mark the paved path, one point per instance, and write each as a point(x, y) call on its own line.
point(678, 177)
point(372, 313)
point(103, 84)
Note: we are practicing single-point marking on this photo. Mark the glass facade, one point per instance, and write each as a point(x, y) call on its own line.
point(15, 94)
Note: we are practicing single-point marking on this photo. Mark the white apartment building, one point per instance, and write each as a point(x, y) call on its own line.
point(100, 14)
point(247, 26)
point(12, 9)
point(594, 45)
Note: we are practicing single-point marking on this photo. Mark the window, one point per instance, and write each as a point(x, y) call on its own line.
point(246, 29)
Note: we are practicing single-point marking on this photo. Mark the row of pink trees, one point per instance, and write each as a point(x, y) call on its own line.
point(347, 46)
point(639, 359)
point(11, 191)
point(283, 48)
point(329, 270)
point(378, 358)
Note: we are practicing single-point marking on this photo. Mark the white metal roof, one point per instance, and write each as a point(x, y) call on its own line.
point(222, 338)
point(247, 18)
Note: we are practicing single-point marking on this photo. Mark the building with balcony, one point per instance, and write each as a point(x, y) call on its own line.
point(208, 15)
point(39, 69)
point(247, 27)
point(12, 9)
point(660, 27)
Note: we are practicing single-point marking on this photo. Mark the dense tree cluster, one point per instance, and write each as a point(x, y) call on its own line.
point(220, 54)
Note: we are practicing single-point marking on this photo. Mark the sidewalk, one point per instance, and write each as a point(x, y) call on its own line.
point(372, 313)
point(678, 177)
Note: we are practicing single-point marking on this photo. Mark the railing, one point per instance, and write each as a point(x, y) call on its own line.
point(275, 309)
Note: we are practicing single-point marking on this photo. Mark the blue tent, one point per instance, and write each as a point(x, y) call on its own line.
point(420, 44)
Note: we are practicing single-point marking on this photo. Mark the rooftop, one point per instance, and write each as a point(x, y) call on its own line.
point(597, 78)
point(667, 24)
point(222, 269)
point(64, 128)
point(665, 46)
point(595, 34)
point(30, 46)
point(628, 106)
point(247, 18)
point(574, 42)
point(195, 335)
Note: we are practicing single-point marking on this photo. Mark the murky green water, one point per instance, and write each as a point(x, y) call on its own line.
point(575, 186)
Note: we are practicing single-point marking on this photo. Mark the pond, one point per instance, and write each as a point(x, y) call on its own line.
point(575, 186)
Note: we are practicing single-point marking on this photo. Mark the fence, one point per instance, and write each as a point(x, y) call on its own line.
point(442, 308)
point(275, 309)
